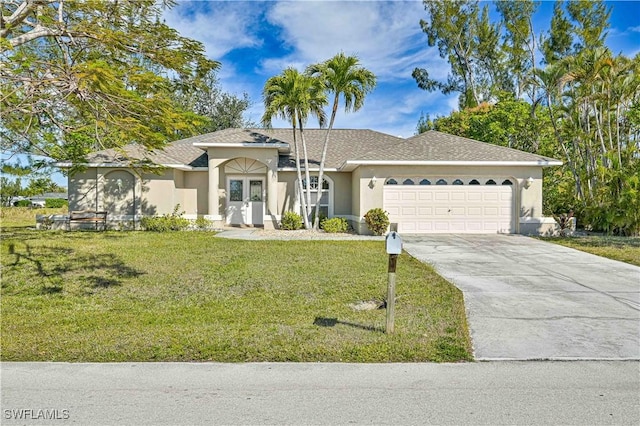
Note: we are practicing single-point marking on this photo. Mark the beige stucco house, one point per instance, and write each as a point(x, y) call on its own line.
point(429, 183)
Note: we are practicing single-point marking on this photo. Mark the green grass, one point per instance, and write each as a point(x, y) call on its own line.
point(188, 296)
point(624, 249)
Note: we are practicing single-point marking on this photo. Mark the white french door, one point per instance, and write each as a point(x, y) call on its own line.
point(245, 200)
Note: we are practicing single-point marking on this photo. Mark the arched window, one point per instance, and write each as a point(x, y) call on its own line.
point(457, 182)
point(441, 182)
point(391, 181)
point(507, 182)
point(425, 182)
point(474, 182)
point(407, 182)
point(325, 197)
point(490, 182)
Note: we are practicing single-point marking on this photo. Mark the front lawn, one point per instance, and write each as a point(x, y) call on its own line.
point(188, 296)
point(624, 249)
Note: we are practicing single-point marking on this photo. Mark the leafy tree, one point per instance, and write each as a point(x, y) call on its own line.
point(77, 76)
point(425, 123)
point(519, 42)
point(9, 189)
point(41, 185)
point(206, 98)
point(342, 76)
point(294, 97)
point(558, 42)
point(469, 41)
point(592, 21)
point(508, 123)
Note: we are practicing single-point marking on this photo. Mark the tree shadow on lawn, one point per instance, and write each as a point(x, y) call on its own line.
point(332, 322)
point(57, 265)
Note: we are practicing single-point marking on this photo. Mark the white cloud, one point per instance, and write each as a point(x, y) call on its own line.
point(385, 36)
point(220, 26)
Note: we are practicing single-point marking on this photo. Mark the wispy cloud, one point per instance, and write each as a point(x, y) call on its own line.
point(220, 26)
point(385, 36)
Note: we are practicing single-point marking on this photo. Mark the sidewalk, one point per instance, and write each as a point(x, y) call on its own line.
point(255, 234)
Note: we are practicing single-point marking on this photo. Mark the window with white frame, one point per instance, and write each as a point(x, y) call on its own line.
point(323, 194)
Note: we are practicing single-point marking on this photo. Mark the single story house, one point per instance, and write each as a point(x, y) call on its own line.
point(429, 183)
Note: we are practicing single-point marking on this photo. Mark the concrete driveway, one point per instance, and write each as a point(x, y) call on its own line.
point(527, 299)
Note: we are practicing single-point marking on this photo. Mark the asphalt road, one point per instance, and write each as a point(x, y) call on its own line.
point(579, 392)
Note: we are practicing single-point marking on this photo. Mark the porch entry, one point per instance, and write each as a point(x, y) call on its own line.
point(245, 200)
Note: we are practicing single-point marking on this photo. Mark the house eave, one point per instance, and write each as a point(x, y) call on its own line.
point(185, 167)
point(311, 169)
point(281, 147)
point(350, 165)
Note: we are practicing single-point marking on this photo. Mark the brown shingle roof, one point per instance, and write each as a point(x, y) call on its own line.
point(438, 146)
point(353, 145)
point(179, 152)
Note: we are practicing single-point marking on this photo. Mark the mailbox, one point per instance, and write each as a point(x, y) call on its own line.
point(394, 243)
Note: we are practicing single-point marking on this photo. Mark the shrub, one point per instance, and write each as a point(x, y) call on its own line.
point(335, 225)
point(377, 221)
point(22, 203)
point(203, 223)
point(55, 203)
point(291, 221)
point(167, 222)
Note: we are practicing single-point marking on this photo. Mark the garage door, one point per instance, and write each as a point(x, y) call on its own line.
point(450, 208)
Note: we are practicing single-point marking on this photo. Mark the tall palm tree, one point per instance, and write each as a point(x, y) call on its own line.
point(293, 96)
point(341, 75)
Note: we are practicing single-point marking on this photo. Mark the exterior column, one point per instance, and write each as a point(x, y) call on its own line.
point(214, 184)
point(272, 192)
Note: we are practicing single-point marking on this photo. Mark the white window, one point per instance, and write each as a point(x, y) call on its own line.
point(324, 194)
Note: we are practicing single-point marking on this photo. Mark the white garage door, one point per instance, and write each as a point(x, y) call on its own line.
point(450, 208)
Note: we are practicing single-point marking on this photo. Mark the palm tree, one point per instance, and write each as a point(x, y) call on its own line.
point(341, 75)
point(294, 97)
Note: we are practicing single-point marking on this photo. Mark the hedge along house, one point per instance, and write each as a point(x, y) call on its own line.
point(429, 183)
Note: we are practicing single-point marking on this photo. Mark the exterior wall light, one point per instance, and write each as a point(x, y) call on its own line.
point(372, 183)
point(528, 182)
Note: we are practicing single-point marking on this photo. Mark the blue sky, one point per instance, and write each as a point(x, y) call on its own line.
point(255, 40)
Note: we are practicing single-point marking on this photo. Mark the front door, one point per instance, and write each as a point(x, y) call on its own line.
point(245, 200)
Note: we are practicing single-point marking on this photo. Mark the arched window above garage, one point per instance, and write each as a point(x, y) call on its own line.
point(458, 182)
point(391, 181)
point(441, 182)
point(474, 182)
point(425, 182)
point(490, 182)
point(507, 182)
point(408, 182)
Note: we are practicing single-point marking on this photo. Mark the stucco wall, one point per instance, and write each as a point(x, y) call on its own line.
point(198, 182)
point(287, 182)
point(82, 190)
point(126, 194)
point(158, 196)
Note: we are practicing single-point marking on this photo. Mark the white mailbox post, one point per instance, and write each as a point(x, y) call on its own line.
point(393, 244)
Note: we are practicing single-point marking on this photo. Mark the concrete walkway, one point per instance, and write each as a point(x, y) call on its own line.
point(258, 234)
point(528, 299)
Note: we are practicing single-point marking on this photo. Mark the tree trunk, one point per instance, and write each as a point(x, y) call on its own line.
point(299, 172)
point(316, 222)
point(307, 209)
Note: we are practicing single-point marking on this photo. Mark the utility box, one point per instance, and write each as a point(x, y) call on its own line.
point(394, 243)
